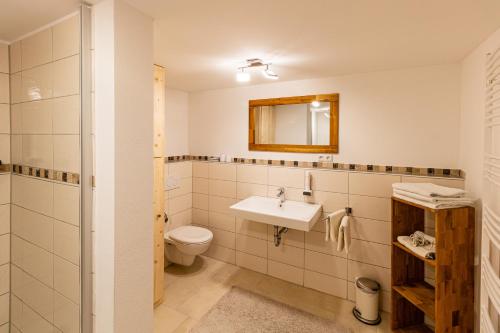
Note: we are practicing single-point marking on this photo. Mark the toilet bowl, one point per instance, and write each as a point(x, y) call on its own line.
point(184, 243)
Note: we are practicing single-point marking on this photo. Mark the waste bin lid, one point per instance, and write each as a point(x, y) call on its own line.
point(368, 285)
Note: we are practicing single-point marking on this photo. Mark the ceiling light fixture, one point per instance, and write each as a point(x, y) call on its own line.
point(242, 76)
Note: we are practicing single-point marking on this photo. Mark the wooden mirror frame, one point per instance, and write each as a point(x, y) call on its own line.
point(332, 148)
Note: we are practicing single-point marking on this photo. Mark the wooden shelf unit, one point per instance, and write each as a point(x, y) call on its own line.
point(450, 303)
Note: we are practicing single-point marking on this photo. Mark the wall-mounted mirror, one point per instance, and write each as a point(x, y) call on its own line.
point(301, 124)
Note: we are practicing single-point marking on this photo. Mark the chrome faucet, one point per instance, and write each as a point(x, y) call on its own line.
point(281, 195)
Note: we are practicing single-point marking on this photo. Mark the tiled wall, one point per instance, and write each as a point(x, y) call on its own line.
point(179, 201)
point(45, 119)
point(303, 258)
point(4, 189)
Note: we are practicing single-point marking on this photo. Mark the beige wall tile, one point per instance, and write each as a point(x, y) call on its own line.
point(4, 119)
point(34, 260)
point(245, 190)
point(37, 83)
point(221, 205)
point(330, 181)
point(325, 283)
point(315, 241)
point(181, 203)
point(285, 272)
point(4, 308)
point(255, 174)
point(16, 88)
point(66, 38)
point(223, 238)
point(376, 185)
point(4, 219)
point(200, 201)
point(36, 49)
point(222, 171)
point(66, 314)
point(286, 254)
point(37, 117)
point(4, 189)
point(33, 194)
point(16, 310)
point(370, 253)
point(15, 56)
point(183, 218)
point(33, 227)
point(200, 185)
point(200, 216)
point(66, 115)
point(16, 149)
point(330, 201)
point(379, 274)
point(67, 241)
point(67, 203)
point(4, 249)
point(371, 230)
point(38, 151)
point(370, 207)
point(456, 183)
point(200, 169)
point(4, 58)
point(185, 187)
point(251, 228)
point(326, 264)
point(67, 76)
point(33, 293)
point(33, 322)
point(16, 118)
point(292, 237)
point(222, 253)
point(180, 169)
point(4, 88)
point(287, 177)
point(251, 262)
point(221, 221)
point(67, 153)
point(66, 279)
point(222, 188)
point(4, 278)
point(251, 245)
point(5, 148)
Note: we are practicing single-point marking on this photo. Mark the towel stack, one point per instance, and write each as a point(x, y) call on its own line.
point(431, 195)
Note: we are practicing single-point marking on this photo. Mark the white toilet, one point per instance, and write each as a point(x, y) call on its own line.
point(184, 243)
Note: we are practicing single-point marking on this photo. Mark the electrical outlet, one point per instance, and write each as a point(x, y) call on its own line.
point(325, 158)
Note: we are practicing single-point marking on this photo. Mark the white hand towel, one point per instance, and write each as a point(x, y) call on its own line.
point(334, 219)
point(344, 242)
point(432, 199)
point(429, 190)
point(327, 229)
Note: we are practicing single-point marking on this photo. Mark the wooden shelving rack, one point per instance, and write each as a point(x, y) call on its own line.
point(450, 303)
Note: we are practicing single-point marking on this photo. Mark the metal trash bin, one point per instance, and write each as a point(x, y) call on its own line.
point(367, 294)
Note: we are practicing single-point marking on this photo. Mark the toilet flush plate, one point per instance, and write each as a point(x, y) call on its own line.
point(292, 214)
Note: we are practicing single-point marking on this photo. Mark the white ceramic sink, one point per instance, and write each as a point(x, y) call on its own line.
point(293, 214)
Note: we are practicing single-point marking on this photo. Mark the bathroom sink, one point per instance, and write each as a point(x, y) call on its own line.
point(293, 214)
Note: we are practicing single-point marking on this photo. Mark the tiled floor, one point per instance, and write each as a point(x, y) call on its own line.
point(190, 292)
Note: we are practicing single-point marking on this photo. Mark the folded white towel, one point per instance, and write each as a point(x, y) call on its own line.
point(436, 205)
point(344, 237)
point(420, 250)
point(333, 224)
point(431, 199)
point(429, 190)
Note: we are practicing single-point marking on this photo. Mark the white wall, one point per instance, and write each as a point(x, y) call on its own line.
point(176, 122)
point(402, 117)
point(124, 168)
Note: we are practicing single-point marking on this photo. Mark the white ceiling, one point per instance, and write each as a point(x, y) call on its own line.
point(202, 42)
point(19, 17)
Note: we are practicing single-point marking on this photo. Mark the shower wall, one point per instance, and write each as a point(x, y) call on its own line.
point(4, 189)
point(45, 191)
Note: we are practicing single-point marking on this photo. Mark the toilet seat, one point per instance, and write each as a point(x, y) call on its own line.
point(190, 235)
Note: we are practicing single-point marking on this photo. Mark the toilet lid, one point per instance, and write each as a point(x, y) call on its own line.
point(190, 234)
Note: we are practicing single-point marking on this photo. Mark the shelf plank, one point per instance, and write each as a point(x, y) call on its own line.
point(407, 250)
point(421, 295)
point(414, 329)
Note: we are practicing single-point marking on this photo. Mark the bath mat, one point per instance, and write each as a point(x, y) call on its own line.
point(243, 311)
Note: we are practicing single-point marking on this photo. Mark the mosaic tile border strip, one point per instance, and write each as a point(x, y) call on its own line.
point(390, 169)
point(60, 176)
point(4, 167)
